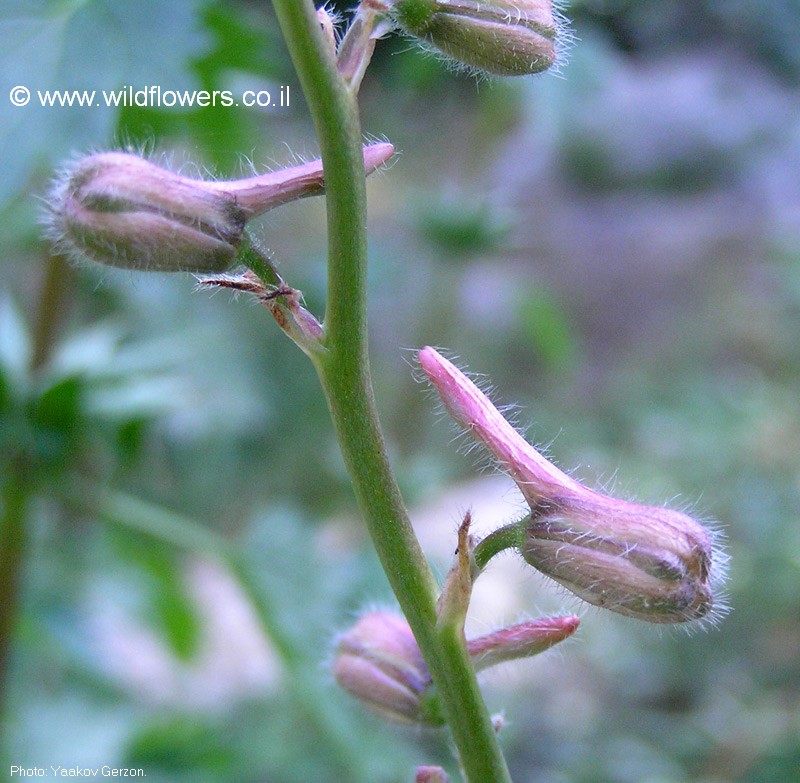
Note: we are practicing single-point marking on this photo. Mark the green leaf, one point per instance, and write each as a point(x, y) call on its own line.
point(176, 616)
point(57, 419)
point(130, 440)
point(59, 407)
point(547, 327)
point(461, 228)
point(174, 612)
point(179, 744)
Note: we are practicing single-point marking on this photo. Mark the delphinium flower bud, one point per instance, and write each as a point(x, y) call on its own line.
point(428, 774)
point(646, 562)
point(502, 37)
point(378, 661)
point(122, 210)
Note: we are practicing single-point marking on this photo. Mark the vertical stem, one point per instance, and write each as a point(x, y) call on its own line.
point(49, 308)
point(14, 499)
point(18, 483)
point(344, 372)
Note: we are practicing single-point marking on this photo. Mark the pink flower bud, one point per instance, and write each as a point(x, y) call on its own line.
point(646, 562)
point(122, 210)
point(431, 775)
point(378, 661)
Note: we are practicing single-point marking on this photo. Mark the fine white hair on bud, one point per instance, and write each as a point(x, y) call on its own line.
point(377, 660)
point(122, 210)
point(498, 37)
point(646, 562)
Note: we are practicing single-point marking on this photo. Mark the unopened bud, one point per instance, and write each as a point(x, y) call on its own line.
point(378, 661)
point(427, 774)
point(502, 37)
point(646, 562)
point(122, 210)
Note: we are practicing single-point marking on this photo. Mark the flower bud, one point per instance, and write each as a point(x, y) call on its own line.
point(502, 37)
point(122, 210)
point(428, 774)
point(646, 562)
point(378, 661)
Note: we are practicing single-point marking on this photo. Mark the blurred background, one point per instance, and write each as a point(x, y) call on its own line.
point(617, 247)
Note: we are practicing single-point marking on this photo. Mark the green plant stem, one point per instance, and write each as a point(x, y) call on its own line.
point(345, 376)
point(15, 495)
point(18, 482)
point(118, 508)
point(52, 293)
point(506, 537)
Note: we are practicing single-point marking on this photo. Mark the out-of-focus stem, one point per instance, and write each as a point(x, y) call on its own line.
point(18, 481)
point(302, 680)
point(54, 287)
point(13, 539)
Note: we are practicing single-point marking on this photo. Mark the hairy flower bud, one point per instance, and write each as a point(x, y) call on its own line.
point(502, 37)
point(378, 661)
point(646, 562)
point(122, 210)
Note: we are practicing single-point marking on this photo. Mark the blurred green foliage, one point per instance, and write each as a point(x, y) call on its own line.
point(617, 250)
